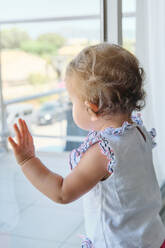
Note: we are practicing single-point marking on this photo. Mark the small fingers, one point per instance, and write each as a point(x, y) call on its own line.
point(20, 121)
point(12, 142)
point(18, 133)
point(26, 131)
point(26, 127)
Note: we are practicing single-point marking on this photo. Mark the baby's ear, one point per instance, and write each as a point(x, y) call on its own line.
point(92, 109)
point(91, 106)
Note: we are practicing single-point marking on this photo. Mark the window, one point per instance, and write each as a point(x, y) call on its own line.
point(38, 40)
point(129, 24)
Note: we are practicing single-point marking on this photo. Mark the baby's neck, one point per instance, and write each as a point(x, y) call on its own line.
point(115, 122)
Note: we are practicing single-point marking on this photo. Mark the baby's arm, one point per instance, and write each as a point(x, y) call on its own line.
point(90, 170)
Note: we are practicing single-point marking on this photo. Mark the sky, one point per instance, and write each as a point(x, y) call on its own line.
point(23, 9)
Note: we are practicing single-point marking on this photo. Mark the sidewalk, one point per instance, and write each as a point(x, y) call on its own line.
point(28, 219)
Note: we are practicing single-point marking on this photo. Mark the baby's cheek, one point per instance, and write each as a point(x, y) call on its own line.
point(79, 117)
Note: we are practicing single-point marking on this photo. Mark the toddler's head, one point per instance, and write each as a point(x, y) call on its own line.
point(109, 77)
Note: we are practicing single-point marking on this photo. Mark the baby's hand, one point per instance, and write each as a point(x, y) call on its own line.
point(24, 149)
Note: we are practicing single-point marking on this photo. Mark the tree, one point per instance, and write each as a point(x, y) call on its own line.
point(38, 47)
point(54, 39)
point(12, 38)
point(47, 44)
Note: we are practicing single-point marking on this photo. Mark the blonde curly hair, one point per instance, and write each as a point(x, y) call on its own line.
point(110, 77)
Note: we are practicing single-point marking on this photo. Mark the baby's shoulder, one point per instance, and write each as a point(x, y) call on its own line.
point(96, 144)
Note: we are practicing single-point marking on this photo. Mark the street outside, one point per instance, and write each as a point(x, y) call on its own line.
point(49, 144)
point(55, 129)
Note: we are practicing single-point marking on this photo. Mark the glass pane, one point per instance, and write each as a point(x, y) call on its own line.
point(33, 60)
point(36, 64)
point(22, 9)
point(44, 116)
point(129, 33)
point(129, 5)
point(129, 24)
point(1, 148)
point(34, 55)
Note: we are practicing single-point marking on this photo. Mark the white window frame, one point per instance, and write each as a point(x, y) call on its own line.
point(111, 21)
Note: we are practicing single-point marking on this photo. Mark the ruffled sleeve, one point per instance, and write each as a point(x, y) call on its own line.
point(93, 138)
point(152, 135)
point(76, 154)
point(74, 158)
point(108, 151)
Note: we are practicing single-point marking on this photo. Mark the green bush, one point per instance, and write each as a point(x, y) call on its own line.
point(45, 44)
point(12, 38)
point(55, 39)
point(38, 47)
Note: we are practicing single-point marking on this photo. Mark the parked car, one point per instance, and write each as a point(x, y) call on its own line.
point(52, 111)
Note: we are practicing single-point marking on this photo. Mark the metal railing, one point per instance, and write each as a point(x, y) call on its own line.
point(40, 95)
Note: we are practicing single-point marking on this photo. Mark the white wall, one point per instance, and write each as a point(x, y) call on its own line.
point(150, 49)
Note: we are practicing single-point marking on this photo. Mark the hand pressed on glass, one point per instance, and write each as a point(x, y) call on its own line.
point(24, 148)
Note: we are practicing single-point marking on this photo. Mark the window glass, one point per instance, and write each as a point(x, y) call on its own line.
point(129, 24)
point(33, 59)
point(22, 9)
point(34, 55)
point(128, 5)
